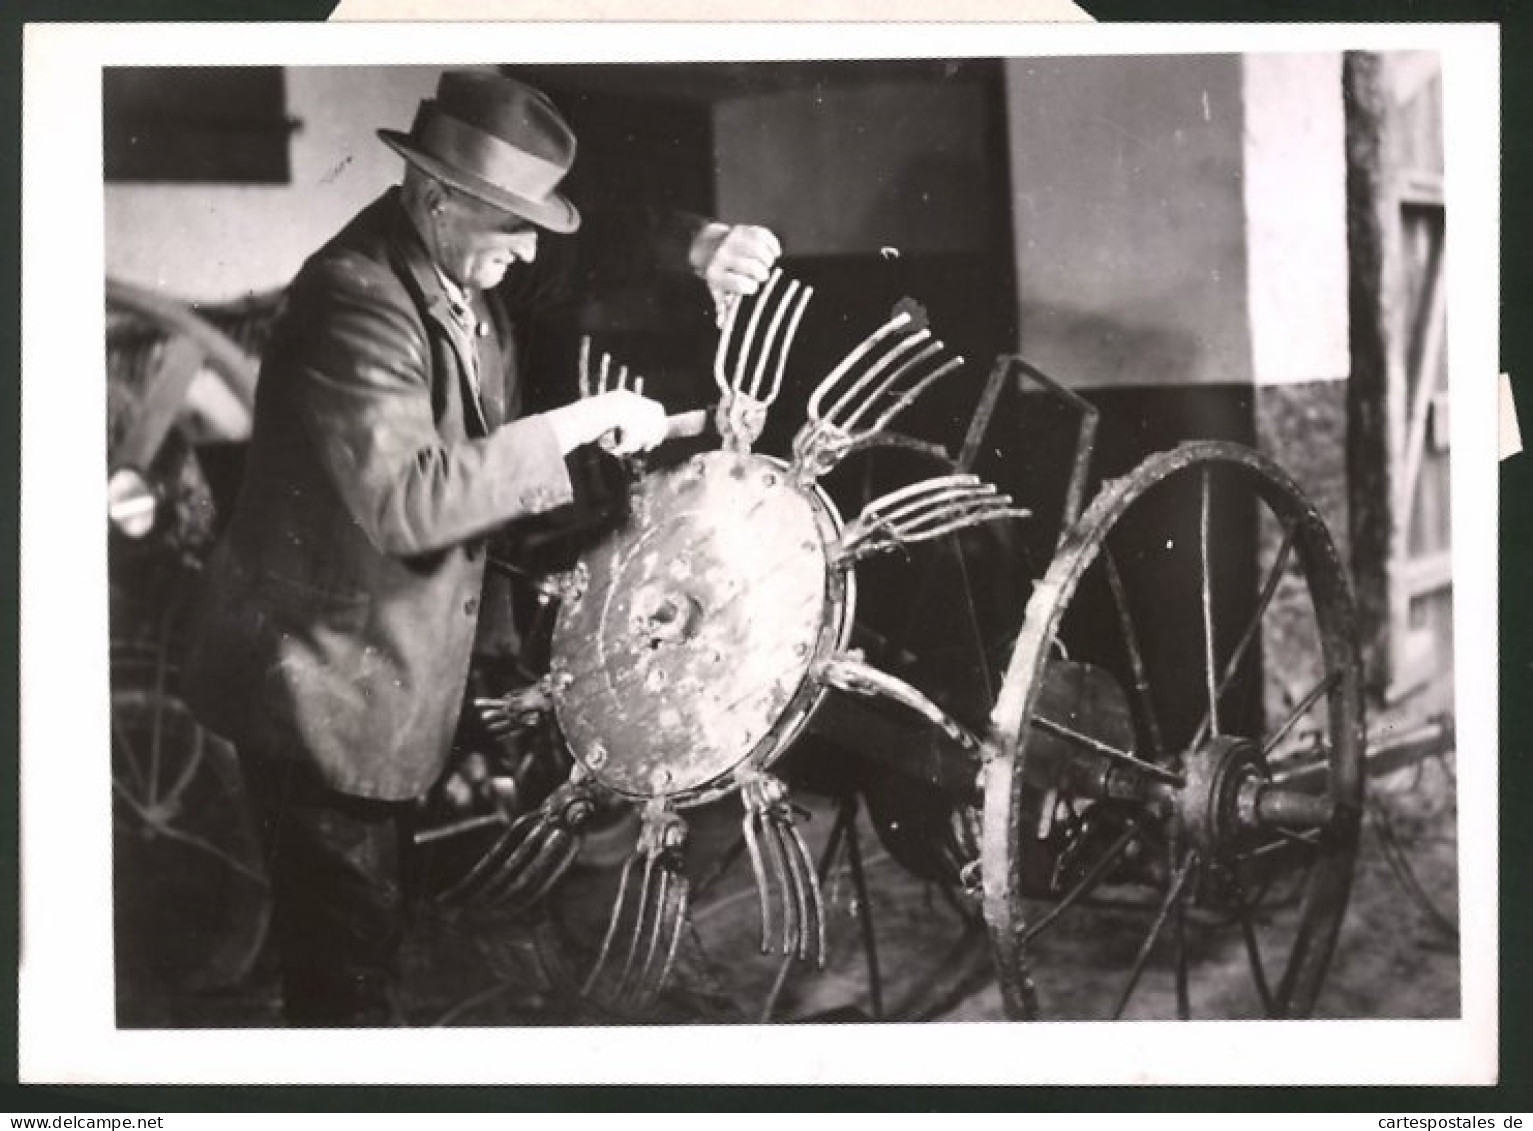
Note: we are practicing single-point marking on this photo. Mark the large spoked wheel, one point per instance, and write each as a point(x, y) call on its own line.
point(191, 902)
point(1174, 781)
point(191, 905)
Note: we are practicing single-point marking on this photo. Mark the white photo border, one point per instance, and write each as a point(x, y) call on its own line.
point(65, 1007)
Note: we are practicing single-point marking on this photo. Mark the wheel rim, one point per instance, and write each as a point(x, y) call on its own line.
point(1233, 846)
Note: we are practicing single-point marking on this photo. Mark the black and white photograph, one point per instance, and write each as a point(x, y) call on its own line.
point(870, 538)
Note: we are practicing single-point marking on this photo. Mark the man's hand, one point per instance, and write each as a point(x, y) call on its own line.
point(733, 261)
point(635, 423)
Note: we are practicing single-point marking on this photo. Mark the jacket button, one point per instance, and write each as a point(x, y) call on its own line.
point(471, 606)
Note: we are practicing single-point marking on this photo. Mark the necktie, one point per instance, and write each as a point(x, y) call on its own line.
point(464, 315)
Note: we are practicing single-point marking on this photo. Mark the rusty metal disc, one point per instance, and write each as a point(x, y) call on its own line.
point(691, 649)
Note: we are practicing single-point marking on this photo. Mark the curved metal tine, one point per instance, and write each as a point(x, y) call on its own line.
point(795, 936)
point(618, 903)
point(651, 984)
point(935, 497)
point(925, 522)
point(912, 489)
point(499, 855)
point(758, 872)
point(903, 370)
point(839, 413)
point(584, 373)
point(764, 352)
point(807, 292)
point(748, 343)
point(918, 520)
point(908, 398)
point(861, 350)
point(814, 910)
point(555, 874)
point(774, 854)
point(641, 908)
point(633, 983)
point(510, 883)
point(721, 351)
point(960, 518)
point(496, 715)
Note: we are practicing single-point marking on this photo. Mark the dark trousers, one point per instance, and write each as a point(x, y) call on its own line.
point(338, 915)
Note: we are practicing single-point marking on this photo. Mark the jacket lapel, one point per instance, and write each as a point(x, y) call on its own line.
point(411, 261)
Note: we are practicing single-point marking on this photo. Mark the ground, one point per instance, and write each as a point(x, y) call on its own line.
point(1397, 956)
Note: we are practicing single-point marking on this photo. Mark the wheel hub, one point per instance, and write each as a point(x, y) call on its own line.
point(1217, 806)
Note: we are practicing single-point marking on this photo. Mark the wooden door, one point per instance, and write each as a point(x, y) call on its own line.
point(1399, 431)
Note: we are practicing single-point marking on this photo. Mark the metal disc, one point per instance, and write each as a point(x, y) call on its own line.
point(691, 648)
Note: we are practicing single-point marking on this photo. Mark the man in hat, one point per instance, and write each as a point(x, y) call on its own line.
point(339, 610)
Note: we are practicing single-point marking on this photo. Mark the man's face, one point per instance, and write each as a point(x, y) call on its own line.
point(476, 243)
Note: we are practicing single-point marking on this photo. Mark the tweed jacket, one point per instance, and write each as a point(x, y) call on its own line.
point(338, 613)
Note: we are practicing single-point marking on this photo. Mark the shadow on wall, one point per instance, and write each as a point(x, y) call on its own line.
point(1120, 352)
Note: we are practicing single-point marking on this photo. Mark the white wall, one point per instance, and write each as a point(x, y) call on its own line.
point(220, 242)
point(1296, 217)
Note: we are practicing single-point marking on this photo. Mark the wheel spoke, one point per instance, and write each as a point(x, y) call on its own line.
point(129, 754)
point(1069, 734)
point(156, 730)
point(1173, 894)
point(1085, 886)
point(154, 819)
point(1299, 955)
point(188, 769)
point(1135, 657)
point(1285, 837)
point(1269, 590)
point(1253, 950)
point(194, 841)
point(1299, 711)
point(1209, 669)
point(865, 922)
point(987, 677)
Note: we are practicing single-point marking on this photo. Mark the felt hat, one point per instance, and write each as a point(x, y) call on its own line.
point(499, 141)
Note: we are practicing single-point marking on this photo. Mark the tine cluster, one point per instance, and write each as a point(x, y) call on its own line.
point(751, 363)
point(529, 858)
point(774, 843)
point(925, 510)
point(519, 710)
point(882, 375)
point(601, 378)
point(654, 914)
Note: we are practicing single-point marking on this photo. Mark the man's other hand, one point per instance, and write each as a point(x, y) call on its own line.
point(733, 260)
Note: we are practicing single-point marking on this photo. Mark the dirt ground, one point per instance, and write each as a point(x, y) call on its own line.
point(1397, 956)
